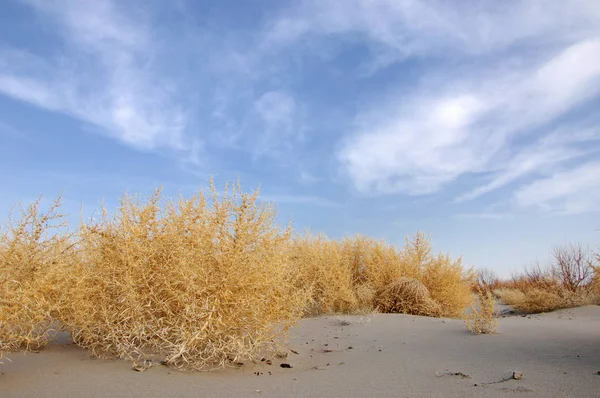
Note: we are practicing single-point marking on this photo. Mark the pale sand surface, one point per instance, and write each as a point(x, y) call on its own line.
point(391, 356)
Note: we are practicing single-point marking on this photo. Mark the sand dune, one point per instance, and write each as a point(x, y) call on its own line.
point(558, 355)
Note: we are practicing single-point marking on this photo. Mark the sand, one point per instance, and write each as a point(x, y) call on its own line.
point(558, 355)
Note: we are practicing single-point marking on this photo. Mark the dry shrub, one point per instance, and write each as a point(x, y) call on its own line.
point(32, 252)
point(407, 296)
point(539, 300)
point(487, 280)
point(374, 264)
point(573, 267)
point(365, 295)
point(482, 319)
point(595, 285)
point(323, 269)
point(345, 276)
point(447, 281)
point(509, 296)
point(567, 281)
point(202, 282)
point(197, 283)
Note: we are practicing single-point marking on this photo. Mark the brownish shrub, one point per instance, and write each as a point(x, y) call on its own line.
point(487, 280)
point(567, 281)
point(572, 267)
point(407, 296)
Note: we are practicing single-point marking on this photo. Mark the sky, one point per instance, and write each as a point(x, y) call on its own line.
point(476, 122)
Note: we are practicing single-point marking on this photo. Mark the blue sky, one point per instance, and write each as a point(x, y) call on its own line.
point(474, 121)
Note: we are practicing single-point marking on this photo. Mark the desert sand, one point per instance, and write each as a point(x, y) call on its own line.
point(378, 355)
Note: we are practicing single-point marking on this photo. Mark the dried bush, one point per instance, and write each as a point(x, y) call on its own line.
point(374, 264)
point(539, 300)
point(447, 281)
point(567, 281)
point(509, 296)
point(195, 284)
point(323, 268)
point(573, 267)
point(202, 282)
point(345, 276)
point(487, 280)
point(536, 300)
point(482, 319)
point(407, 296)
point(32, 252)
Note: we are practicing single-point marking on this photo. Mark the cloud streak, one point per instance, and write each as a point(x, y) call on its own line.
point(105, 76)
point(472, 126)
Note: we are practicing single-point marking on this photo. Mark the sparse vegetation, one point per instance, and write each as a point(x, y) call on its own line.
point(482, 319)
point(569, 280)
point(486, 280)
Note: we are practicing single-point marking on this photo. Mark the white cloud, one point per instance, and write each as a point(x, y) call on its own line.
point(400, 28)
point(105, 76)
point(431, 137)
point(276, 108)
point(568, 192)
point(279, 127)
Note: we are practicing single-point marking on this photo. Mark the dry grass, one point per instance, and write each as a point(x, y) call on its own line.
point(33, 251)
point(199, 284)
point(482, 319)
point(407, 296)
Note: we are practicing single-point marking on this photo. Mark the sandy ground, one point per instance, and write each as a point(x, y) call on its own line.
point(377, 355)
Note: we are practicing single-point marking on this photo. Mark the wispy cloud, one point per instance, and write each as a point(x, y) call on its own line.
point(396, 29)
point(279, 120)
point(471, 126)
point(568, 192)
point(505, 73)
point(105, 75)
point(484, 96)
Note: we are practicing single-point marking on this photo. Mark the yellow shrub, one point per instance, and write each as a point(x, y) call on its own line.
point(407, 296)
point(324, 269)
point(482, 319)
point(448, 283)
point(202, 282)
point(32, 251)
point(197, 284)
point(510, 296)
point(375, 264)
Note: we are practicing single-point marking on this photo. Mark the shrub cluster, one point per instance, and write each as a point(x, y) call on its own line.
point(360, 274)
point(571, 279)
point(202, 282)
